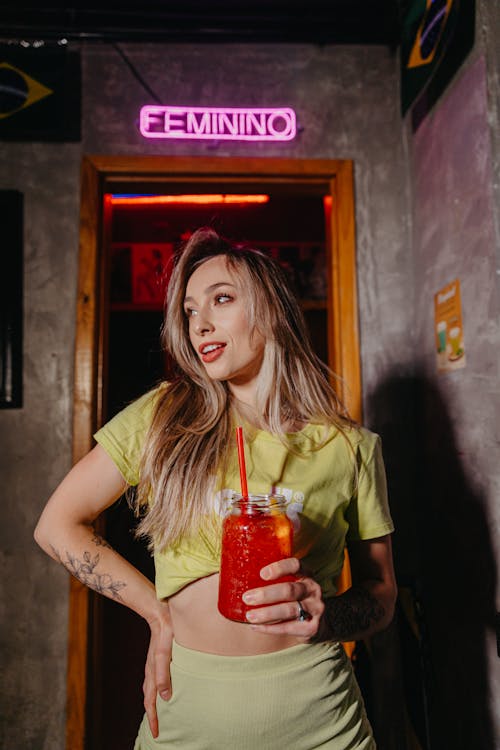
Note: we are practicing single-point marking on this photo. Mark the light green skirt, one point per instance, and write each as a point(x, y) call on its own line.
point(301, 698)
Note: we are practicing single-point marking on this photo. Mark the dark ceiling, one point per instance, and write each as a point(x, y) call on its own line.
point(307, 21)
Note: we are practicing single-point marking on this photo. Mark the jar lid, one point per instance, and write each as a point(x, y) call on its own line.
point(263, 502)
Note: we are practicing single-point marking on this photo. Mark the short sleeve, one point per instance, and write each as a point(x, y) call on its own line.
point(123, 436)
point(368, 513)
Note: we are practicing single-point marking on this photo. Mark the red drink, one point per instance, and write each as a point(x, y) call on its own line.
point(256, 532)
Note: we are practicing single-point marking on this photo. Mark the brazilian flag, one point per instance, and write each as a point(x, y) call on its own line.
point(40, 93)
point(436, 37)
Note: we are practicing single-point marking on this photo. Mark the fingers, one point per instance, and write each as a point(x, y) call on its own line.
point(287, 567)
point(275, 613)
point(277, 592)
point(157, 675)
point(305, 630)
point(150, 708)
point(283, 618)
point(276, 609)
point(162, 659)
point(149, 690)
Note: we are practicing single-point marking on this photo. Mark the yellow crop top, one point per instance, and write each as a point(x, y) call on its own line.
point(326, 504)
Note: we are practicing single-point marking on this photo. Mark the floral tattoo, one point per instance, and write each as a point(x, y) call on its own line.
point(85, 571)
point(100, 542)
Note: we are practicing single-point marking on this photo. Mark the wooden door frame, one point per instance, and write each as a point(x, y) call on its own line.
point(98, 175)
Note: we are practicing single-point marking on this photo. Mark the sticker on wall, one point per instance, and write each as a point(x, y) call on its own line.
point(449, 332)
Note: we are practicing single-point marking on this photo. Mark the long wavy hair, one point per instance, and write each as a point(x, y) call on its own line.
point(191, 438)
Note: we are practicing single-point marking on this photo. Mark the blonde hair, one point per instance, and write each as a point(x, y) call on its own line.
point(192, 432)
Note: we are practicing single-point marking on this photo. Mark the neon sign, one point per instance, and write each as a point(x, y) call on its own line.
point(218, 123)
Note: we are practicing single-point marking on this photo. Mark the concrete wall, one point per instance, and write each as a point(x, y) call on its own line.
point(347, 102)
point(35, 447)
point(454, 166)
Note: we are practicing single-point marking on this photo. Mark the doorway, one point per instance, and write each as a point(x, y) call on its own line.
point(306, 222)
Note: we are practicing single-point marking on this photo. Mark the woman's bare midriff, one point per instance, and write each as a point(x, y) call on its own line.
point(198, 624)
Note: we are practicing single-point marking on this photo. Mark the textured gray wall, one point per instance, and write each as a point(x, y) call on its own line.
point(454, 235)
point(35, 448)
point(488, 23)
point(347, 102)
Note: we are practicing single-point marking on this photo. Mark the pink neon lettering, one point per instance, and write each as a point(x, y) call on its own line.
point(195, 126)
point(228, 124)
point(271, 126)
point(218, 123)
point(259, 125)
point(173, 123)
point(152, 120)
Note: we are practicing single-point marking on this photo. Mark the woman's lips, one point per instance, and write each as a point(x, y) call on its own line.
point(211, 350)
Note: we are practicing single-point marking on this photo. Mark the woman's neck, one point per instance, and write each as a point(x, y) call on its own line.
point(249, 414)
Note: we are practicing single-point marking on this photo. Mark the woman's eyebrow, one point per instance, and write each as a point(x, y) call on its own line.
point(211, 288)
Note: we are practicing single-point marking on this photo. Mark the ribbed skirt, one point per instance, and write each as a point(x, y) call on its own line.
point(302, 698)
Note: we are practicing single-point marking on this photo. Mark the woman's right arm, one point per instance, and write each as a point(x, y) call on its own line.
point(65, 531)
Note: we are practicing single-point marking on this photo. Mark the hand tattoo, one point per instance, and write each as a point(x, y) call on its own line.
point(351, 613)
point(85, 571)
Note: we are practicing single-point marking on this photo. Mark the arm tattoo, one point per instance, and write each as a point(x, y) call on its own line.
point(100, 542)
point(85, 571)
point(56, 554)
point(351, 613)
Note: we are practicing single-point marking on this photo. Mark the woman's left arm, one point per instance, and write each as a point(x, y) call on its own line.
point(365, 608)
point(368, 606)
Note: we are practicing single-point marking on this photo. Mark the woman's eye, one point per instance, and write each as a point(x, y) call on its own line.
point(222, 298)
point(190, 313)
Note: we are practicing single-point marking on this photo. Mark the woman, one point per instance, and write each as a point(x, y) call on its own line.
point(282, 680)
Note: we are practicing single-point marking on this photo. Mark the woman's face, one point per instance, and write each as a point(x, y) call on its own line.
point(219, 328)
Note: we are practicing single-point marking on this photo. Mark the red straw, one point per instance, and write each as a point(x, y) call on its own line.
point(241, 459)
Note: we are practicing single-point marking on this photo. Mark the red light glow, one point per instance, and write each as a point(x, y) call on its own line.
point(160, 200)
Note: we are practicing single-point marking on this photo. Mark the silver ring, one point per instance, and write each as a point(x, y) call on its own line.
point(303, 615)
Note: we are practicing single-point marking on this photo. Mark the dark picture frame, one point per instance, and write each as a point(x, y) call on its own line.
point(11, 300)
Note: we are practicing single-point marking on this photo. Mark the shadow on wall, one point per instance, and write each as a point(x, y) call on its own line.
point(446, 572)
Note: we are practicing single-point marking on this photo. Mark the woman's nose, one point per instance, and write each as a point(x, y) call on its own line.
point(202, 323)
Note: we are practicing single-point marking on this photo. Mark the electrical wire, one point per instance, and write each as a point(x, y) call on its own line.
point(136, 73)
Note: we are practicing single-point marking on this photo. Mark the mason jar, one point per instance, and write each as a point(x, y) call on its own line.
point(256, 531)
